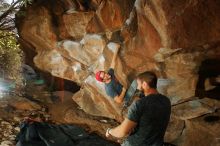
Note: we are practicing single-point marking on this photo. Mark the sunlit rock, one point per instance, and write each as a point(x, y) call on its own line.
point(93, 93)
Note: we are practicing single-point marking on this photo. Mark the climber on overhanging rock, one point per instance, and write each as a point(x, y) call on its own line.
point(113, 87)
point(147, 118)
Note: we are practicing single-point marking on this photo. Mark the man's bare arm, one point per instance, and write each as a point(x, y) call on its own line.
point(117, 46)
point(124, 129)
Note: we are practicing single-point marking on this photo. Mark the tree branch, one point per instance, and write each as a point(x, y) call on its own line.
point(10, 9)
point(6, 22)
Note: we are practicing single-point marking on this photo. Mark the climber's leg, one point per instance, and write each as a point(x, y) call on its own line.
point(130, 92)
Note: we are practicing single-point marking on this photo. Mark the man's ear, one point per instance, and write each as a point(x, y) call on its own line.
point(145, 84)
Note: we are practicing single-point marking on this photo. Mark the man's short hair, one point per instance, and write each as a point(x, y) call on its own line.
point(149, 77)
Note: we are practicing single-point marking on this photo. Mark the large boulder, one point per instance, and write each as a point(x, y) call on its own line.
point(74, 41)
point(69, 112)
point(201, 131)
point(90, 96)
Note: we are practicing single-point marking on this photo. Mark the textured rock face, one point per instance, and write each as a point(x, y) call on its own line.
point(191, 109)
point(201, 131)
point(74, 39)
point(169, 37)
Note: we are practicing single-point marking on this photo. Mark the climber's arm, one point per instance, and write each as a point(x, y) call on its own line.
point(115, 56)
point(119, 99)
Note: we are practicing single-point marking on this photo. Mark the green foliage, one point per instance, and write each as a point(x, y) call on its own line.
point(10, 55)
point(21, 13)
point(26, 2)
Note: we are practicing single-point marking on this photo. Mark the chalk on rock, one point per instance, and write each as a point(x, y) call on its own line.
point(101, 59)
point(113, 46)
point(77, 67)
